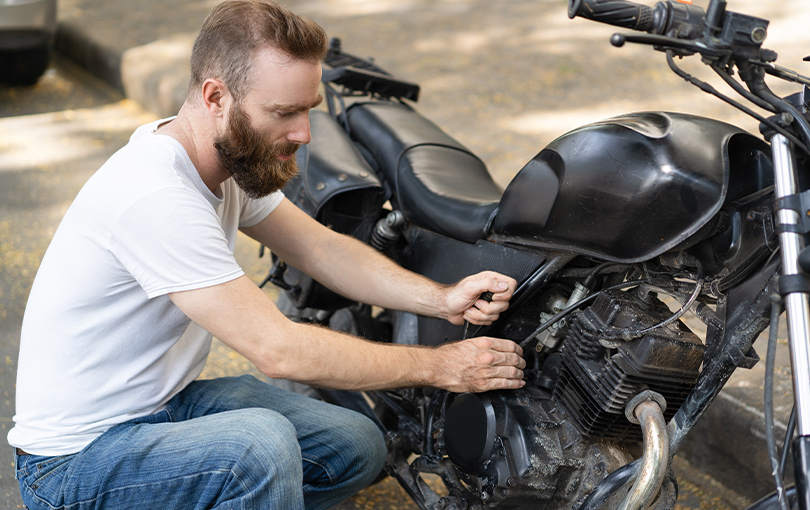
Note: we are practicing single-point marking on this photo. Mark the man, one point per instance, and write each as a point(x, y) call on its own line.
point(141, 273)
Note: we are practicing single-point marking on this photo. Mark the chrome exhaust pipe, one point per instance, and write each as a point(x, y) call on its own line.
point(647, 409)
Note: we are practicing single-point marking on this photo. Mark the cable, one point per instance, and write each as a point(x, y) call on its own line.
point(734, 84)
point(761, 89)
point(788, 437)
point(769, 434)
point(573, 307)
point(613, 482)
point(629, 334)
point(705, 87)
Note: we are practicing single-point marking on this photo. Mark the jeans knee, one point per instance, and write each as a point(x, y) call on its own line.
point(267, 441)
point(375, 448)
point(368, 445)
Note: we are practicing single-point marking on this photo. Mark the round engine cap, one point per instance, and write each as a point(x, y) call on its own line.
point(469, 431)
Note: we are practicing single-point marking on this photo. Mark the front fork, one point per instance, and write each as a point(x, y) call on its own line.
point(798, 310)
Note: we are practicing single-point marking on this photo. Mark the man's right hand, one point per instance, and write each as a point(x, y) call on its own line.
point(480, 364)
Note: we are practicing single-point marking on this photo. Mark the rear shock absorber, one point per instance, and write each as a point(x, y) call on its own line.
point(387, 231)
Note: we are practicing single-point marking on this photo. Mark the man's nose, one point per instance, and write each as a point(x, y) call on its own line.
point(300, 134)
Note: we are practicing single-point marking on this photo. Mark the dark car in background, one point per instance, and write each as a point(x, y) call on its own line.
point(27, 29)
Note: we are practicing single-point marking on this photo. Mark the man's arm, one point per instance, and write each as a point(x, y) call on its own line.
point(357, 271)
point(243, 317)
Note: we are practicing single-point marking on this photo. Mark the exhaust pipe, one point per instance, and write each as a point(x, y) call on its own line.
point(647, 409)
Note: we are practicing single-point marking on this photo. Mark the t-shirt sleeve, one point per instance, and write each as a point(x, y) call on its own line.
point(170, 241)
point(255, 210)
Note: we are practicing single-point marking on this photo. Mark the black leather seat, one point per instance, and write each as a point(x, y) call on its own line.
point(439, 183)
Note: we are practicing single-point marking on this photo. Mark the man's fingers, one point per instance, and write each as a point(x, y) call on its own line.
point(485, 363)
point(504, 378)
point(491, 307)
point(502, 287)
point(499, 285)
point(510, 359)
point(477, 317)
point(484, 313)
point(502, 345)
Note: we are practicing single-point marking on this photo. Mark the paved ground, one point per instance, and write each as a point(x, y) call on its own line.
point(504, 80)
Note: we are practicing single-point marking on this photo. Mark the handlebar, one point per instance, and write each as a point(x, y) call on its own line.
point(669, 18)
point(620, 13)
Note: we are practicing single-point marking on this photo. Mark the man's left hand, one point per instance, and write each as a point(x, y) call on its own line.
point(464, 303)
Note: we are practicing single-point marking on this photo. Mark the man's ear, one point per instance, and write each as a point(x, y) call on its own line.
point(214, 96)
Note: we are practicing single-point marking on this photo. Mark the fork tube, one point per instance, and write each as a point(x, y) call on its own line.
point(796, 303)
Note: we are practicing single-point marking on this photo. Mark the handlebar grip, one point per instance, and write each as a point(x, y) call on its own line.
point(620, 13)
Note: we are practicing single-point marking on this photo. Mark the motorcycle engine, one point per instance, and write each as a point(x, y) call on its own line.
point(549, 449)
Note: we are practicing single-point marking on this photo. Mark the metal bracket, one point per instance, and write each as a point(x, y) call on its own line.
point(747, 361)
point(799, 203)
point(790, 283)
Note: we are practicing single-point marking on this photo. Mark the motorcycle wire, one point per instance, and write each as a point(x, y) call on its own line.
point(620, 286)
point(628, 334)
point(618, 40)
point(770, 439)
point(788, 437)
point(563, 313)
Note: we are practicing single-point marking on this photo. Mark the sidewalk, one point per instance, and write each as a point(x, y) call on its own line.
point(503, 80)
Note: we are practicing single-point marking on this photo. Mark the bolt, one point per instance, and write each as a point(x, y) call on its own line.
point(758, 34)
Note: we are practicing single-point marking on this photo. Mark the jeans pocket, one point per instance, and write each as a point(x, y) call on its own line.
point(45, 477)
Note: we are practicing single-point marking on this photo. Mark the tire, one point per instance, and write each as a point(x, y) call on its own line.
point(24, 67)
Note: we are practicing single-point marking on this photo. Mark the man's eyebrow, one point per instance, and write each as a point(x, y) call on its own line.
point(296, 107)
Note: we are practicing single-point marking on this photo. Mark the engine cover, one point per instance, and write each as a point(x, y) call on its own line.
point(517, 452)
point(597, 382)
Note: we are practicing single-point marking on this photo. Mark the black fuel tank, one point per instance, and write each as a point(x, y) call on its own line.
point(629, 188)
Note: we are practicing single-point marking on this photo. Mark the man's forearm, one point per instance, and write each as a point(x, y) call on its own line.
point(242, 316)
point(360, 272)
point(346, 265)
point(324, 358)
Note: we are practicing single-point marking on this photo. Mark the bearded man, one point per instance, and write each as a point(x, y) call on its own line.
point(141, 273)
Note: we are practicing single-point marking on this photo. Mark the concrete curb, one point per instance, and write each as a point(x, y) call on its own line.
point(72, 41)
point(154, 75)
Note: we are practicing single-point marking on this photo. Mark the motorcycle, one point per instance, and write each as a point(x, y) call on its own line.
point(614, 232)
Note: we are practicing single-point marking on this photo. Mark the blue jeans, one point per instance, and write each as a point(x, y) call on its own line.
point(233, 443)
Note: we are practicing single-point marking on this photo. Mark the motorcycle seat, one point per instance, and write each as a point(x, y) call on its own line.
point(439, 184)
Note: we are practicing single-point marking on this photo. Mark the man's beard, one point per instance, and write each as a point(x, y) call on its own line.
point(252, 162)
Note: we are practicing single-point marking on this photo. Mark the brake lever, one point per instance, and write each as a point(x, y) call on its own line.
point(662, 42)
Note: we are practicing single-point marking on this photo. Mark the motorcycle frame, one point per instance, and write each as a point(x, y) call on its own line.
point(726, 40)
point(732, 344)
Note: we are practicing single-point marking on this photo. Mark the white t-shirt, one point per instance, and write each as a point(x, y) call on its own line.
point(101, 341)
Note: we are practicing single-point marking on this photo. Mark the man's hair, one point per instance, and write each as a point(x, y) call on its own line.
point(235, 30)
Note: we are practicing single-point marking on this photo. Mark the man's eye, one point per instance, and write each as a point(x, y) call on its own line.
point(285, 113)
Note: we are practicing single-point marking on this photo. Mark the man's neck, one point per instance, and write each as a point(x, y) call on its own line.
point(197, 139)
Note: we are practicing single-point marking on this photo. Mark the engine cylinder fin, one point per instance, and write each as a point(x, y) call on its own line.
point(597, 382)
